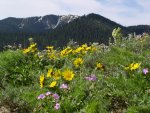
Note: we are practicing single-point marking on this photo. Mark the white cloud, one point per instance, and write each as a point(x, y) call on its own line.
point(25, 8)
point(121, 11)
point(127, 12)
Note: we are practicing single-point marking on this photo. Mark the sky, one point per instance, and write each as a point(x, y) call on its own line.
point(125, 12)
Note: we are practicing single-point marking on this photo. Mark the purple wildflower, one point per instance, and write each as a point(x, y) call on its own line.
point(87, 78)
point(41, 96)
point(57, 106)
point(48, 93)
point(91, 78)
point(56, 96)
point(64, 86)
point(145, 71)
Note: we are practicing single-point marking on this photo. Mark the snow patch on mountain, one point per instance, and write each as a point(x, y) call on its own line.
point(40, 19)
point(21, 25)
point(65, 19)
point(47, 22)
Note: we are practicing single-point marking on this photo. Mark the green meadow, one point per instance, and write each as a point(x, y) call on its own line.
point(88, 78)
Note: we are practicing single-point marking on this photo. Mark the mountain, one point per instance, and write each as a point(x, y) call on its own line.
point(59, 30)
point(34, 24)
point(88, 28)
point(139, 29)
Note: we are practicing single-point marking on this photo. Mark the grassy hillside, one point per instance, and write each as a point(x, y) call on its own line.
point(78, 79)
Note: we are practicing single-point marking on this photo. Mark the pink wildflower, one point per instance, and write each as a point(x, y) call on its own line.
point(64, 86)
point(48, 93)
point(41, 96)
point(56, 96)
point(91, 78)
point(145, 71)
point(57, 106)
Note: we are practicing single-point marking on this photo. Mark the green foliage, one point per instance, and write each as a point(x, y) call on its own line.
point(15, 69)
point(9, 61)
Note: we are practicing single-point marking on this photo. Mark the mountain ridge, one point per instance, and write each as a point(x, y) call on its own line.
point(48, 22)
point(59, 30)
point(30, 24)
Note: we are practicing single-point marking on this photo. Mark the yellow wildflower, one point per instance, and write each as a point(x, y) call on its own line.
point(78, 50)
point(134, 66)
point(88, 48)
point(50, 47)
point(26, 51)
point(99, 66)
point(83, 52)
point(84, 46)
point(52, 56)
point(53, 84)
point(49, 73)
point(68, 75)
point(33, 45)
point(57, 74)
point(78, 62)
point(51, 53)
point(65, 51)
point(41, 80)
point(32, 48)
point(85, 49)
point(93, 49)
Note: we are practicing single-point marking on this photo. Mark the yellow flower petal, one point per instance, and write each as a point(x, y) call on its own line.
point(53, 84)
point(68, 75)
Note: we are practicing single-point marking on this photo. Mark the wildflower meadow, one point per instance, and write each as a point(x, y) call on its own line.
point(88, 78)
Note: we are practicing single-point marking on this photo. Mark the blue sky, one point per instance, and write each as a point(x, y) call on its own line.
point(125, 12)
